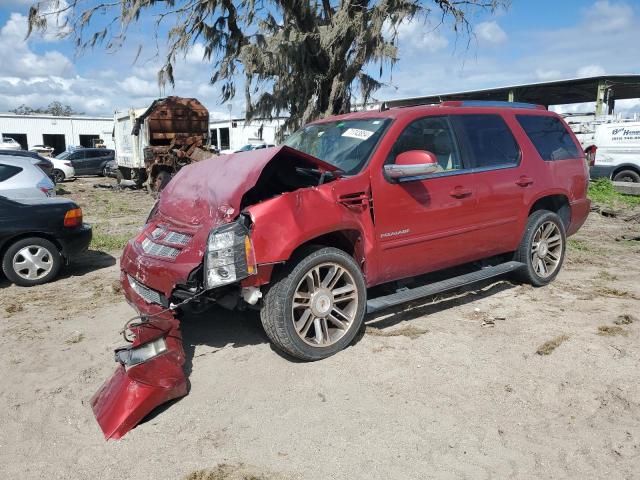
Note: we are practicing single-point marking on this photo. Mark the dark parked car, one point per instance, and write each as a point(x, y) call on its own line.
point(88, 161)
point(38, 236)
point(45, 164)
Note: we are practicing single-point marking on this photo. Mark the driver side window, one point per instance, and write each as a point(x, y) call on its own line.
point(432, 134)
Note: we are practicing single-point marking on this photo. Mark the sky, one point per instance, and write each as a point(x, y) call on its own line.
point(531, 41)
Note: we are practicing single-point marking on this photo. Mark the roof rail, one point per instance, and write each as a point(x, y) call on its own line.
point(491, 103)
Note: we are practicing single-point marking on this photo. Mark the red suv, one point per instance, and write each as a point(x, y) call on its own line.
point(303, 230)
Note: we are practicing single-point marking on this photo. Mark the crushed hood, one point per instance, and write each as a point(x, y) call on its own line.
point(211, 190)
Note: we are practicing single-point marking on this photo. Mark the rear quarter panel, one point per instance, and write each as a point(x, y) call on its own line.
point(569, 177)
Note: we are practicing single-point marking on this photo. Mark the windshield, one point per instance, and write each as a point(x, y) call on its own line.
point(346, 144)
point(63, 155)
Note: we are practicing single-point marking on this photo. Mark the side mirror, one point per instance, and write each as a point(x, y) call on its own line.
point(412, 163)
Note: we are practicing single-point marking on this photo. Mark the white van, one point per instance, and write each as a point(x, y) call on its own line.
point(614, 151)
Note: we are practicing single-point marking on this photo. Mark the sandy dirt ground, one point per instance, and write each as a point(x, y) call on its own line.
point(453, 387)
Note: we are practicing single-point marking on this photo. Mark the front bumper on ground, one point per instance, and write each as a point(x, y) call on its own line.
point(133, 391)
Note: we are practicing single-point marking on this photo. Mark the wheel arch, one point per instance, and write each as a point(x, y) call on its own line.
point(624, 166)
point(554, 202)
point(349, 240)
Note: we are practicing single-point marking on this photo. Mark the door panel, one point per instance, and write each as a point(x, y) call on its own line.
point(424, 225)
point(79, 162)
point(427, 223)
point(500, 177)
point(94, 161)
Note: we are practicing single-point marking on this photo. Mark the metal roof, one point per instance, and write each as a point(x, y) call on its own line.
point(557, 92)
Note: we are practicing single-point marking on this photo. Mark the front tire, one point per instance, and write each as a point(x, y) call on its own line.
point(316, 306)
point(542, 248)
point(31, 261)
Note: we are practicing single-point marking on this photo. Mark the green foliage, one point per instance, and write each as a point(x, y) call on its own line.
point(578, 245)
point(109, 242)
point(601, 191)
point(55, 108)
point(308, 58)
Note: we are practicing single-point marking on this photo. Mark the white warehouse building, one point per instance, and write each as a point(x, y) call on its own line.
point(60, 133)
point(235, 133)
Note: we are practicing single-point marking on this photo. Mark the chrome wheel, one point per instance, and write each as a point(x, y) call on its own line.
point(324, 305)
point(32, 262)
point(546, 249)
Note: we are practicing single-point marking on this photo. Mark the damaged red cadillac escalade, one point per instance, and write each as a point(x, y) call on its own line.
point(304, 230)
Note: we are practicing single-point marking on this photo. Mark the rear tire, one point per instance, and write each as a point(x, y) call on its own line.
point(627, 176)
point(542, 248)
point(58, 176)
point(32, 261)
point(330, 301)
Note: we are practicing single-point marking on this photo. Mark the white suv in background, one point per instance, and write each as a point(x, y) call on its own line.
point(10, 144)
point(21, 180)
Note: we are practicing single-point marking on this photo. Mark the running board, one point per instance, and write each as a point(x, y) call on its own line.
point(411, 294)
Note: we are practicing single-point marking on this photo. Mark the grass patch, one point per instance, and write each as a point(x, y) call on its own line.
point(604, 275)
point(410, 331)
point(601, 191)
point(109, 241)
point(578, 245)
point(229, 472)
point(550, 345)
point(13, 308)
point(114, 204)
point(614, 292)
point(76, 337)
point(611, 330)
point(624, 319)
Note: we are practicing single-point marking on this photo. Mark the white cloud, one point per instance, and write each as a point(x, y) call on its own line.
point(490, 33)
point(605, 16)
point(542, 74)
point(195, 54)
point(135, 86)
point(55, 13)
point(23, 62)
point(592, 70)
point(415, 36)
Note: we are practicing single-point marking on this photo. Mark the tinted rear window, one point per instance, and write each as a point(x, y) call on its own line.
point(550, 137)
point(487, 141)
point(8, 171)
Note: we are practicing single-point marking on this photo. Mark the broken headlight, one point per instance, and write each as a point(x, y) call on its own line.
point(229, 255)
point(133, 356)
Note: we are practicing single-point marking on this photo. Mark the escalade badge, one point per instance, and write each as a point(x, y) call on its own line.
point(394, 234)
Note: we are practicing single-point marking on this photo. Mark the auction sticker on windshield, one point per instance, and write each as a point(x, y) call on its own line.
point(357, 133)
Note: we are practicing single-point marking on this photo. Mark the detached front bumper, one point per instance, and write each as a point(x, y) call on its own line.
point(133, 391)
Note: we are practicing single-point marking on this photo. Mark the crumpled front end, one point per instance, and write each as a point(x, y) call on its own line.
point(195, 245)
point(149, 371)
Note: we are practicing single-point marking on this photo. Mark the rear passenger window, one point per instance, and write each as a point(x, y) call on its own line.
point(487, 141)
point(432, 134)
point(549, 136)
point(8, 171)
